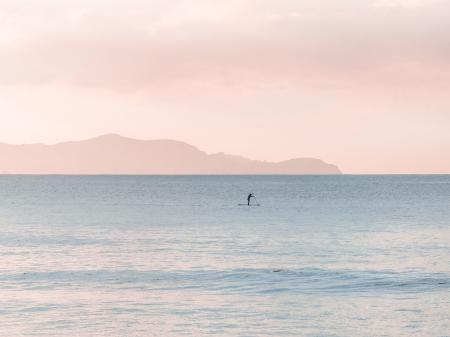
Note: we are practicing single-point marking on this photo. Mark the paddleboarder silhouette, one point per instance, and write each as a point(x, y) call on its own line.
point(250, 196)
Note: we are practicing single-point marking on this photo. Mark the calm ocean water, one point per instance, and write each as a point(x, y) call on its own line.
point(176, 256)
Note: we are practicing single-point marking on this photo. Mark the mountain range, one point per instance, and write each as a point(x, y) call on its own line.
point(114, 154)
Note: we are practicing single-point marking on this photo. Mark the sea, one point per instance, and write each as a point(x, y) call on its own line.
point(133, 256)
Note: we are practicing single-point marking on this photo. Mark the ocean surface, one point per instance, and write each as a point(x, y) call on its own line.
point(176, 256)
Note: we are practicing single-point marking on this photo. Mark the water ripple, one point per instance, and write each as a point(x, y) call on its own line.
point(263, 281)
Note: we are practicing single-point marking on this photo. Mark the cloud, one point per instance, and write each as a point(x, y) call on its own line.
point(138, 44)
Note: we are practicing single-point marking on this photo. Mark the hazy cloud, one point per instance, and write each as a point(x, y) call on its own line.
point(134, 44)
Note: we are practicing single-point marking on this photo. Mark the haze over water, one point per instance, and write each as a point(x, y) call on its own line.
point(173, 256)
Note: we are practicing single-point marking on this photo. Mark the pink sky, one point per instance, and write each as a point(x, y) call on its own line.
point(363, 84)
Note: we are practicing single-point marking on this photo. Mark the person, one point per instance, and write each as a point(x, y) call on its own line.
point(249, 197)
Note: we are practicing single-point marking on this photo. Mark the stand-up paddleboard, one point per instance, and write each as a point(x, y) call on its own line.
point(249, 200)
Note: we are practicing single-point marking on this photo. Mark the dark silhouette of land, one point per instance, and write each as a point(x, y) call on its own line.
point(114, 154)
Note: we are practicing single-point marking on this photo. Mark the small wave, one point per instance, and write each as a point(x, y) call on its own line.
point(315, 280)
point(257, 281)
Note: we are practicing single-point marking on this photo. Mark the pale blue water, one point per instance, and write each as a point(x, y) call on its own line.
point(175, 256)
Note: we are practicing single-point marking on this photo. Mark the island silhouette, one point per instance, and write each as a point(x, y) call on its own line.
point(115, 154)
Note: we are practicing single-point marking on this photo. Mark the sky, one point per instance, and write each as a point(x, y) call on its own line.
point(363, 84)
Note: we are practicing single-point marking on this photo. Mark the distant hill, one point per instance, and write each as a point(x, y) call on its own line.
point(114, 154)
